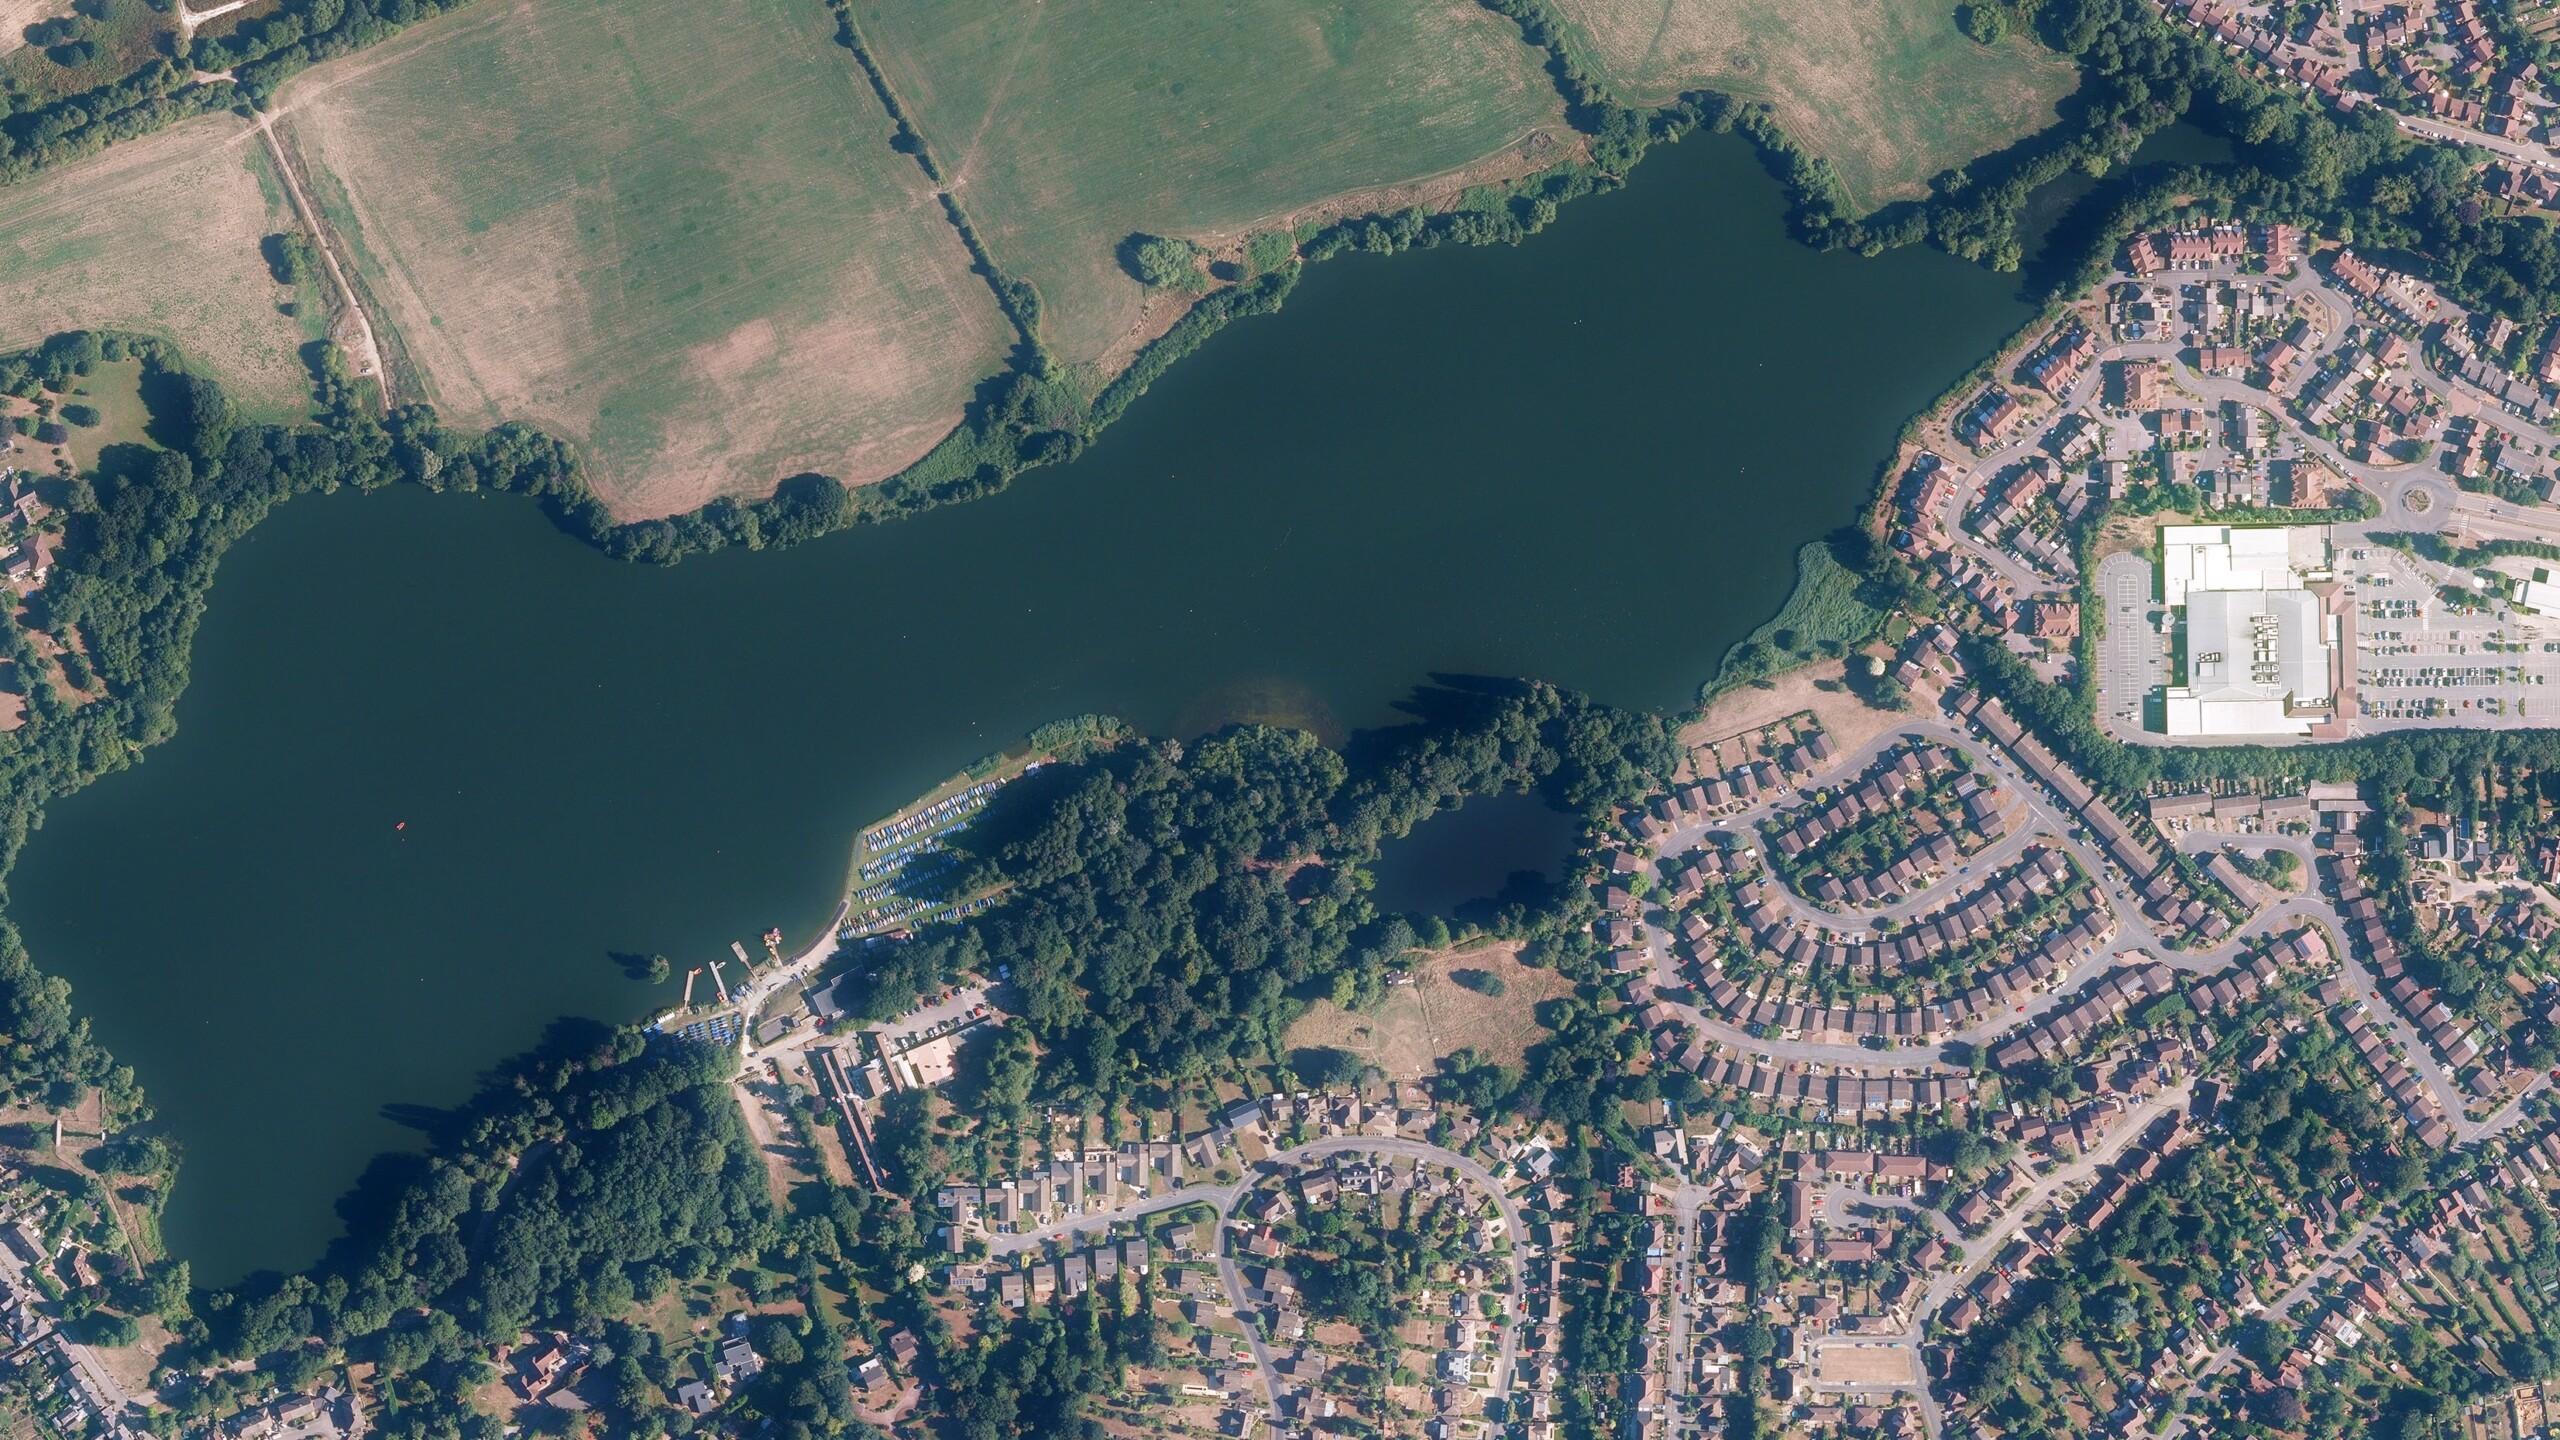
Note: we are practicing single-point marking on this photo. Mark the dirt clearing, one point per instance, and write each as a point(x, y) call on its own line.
point(1849, 721)
point(1421, 1024)
point(1850, 1362)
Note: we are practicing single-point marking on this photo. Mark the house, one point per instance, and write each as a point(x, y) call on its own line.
point(738, 1361)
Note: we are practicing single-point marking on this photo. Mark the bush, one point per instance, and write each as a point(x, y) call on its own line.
point(1161, 262)
point(1268, 250)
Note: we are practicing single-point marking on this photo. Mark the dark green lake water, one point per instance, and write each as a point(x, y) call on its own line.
point(1459, 863)
point(1590, 459)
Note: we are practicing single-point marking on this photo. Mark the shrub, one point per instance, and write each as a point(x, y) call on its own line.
point(1160, 261)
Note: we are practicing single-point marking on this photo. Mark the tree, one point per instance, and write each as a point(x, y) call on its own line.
point(1483, 982)
point(1162, 262)
point(84, 416)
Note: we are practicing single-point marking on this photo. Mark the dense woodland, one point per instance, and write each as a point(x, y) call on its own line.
point(1171, 908)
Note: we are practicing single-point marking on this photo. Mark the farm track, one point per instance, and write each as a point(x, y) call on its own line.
point(368, 353)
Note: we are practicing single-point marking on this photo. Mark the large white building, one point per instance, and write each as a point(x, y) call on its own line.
point(2261, 648)
point(2234, 557)
point(2538, 594)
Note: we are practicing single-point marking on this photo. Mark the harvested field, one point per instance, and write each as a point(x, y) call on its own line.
point(1067, 126)
point(685, 246)
point(161, 235)
point(1419, 1025)
point(1889, 91)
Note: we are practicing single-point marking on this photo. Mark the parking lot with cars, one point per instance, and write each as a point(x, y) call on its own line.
point(2435, 645)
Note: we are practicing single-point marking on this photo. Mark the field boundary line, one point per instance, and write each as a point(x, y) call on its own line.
point(1001, 282)
point(368, 354)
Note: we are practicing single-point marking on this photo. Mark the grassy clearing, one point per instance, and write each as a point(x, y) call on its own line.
point(1889, 91)
point(160, 235)
point(1419, 1025)
point(685, 245)
point(115, 392)
point(1069, 125)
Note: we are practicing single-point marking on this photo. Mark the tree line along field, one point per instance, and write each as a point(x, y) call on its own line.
point(1067, 126)
point(682, 243)
point(162, 235)
point(1891, 92)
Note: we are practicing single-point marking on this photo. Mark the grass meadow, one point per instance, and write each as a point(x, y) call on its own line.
point(161, 235)
point(684, 245)
point(1889, 91)
point(1066, 126)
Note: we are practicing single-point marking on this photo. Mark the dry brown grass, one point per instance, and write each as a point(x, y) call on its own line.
point(1850, 721)
point(1889, 91)
point(683, 246)
point(1845, 1363)
point(160, 235)
point(1419, 1025)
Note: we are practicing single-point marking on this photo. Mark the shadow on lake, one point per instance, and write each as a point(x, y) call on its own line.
point(1466, 864)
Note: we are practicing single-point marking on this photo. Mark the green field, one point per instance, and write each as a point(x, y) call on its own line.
point(161, 235)
point(1064, 126)
point(683, 243)
point(1889, 91)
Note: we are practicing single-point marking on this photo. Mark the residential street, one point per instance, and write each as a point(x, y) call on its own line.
point(1225, 1198)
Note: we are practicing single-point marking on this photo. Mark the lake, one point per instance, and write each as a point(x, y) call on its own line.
point(1459, 863)
point(439, 760)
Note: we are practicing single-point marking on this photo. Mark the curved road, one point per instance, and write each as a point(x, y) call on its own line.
point(1225, 1198)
